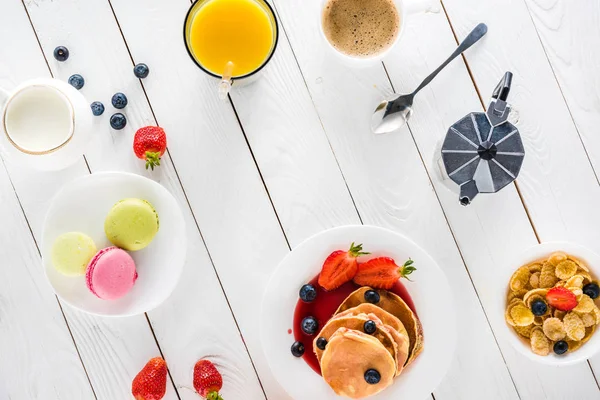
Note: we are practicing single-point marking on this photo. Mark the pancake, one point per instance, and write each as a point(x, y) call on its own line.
point(391, 323)
point(384, 316)
point(394, 305)
point(357, 322)
point(348, 355)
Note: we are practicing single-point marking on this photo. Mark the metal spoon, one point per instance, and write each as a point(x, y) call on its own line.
point(393, 113)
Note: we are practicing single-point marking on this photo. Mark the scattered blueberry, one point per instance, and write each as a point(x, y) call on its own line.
point(372, 296)
point(119, 100)
point(370, 327)
point(321, 343)
point(297, 349)
point(61, 53)
point(141, 70)
point(97, 108)
point(308, 293)
point(118, 121)
point(561, 347)
point(539, 307)
point(76, 81)
point(310, 325)
point(592, 290)
point(372, 376)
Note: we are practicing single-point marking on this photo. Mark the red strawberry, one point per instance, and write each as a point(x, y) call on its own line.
point(561, 298)
point(340, 267)
point(150, 143)
point(382, 272)
point(151, 382)
point(207, 380)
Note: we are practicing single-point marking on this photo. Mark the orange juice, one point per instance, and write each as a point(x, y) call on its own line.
point(237, 31)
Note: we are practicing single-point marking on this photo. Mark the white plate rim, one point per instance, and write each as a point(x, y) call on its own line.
point(63, 189)
point(443, 363)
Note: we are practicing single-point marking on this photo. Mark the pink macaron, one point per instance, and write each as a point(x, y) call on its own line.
point(111, 273)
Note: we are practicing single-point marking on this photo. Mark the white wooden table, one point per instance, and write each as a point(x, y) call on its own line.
point(286, 158)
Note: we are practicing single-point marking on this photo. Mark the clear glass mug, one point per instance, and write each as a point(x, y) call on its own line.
point(405, 8)
point(228, 81)
point(59, 139)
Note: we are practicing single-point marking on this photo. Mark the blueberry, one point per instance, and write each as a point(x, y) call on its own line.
point(310, 325)
point(308, 293)
point(321, 343)
point(118, 121)
point(119, 100)
point(372, 296)
point(561, 347)
point(539, 307)
point(592, 290)
point(76, 81)
point(372, 376)
point(141, 70)
point(297, 349)
point(97, 108)
point(370, 327)
point(61, 53)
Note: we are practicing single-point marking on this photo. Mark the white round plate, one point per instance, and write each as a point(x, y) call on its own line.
point(82, 206)
point(535, 253)
point(429, 290)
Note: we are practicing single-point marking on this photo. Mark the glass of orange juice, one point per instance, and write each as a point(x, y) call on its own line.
point(231, 39)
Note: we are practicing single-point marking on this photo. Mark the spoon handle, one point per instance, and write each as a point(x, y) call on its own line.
point(476, 34)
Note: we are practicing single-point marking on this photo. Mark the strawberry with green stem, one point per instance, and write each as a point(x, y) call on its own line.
point(207, 380)
point(382, 272)
point(340, 267)
point(150, 143)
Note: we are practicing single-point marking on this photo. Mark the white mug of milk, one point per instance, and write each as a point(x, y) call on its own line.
point(45, 123)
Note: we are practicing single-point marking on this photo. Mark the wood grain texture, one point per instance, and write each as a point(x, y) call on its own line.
point(571, 38)
point(561, 197)
point(391, 188)
point(115, 349)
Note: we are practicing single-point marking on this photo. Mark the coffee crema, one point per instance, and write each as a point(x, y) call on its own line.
point(361, 28)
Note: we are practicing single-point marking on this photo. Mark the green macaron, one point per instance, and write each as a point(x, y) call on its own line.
point(71, 253)
point(131, 224)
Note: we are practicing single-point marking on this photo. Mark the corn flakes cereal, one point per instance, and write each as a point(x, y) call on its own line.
point(596, 313)
point(574, 326)
point(576, 291)
point(547, 276)
point(585, 304)
point(539, 342)
point(534, 280)
point(559, 314)
point(580, 265)
point(539, 321)
point(520, 279)
point(516, 295)
point(534, 293)
point(575, 281)
point(521, 315)
point(587, 278)
point(556, 258)
point(566, 269)
point(588, 319)
point(553, 329)
point(524, 331)
point(535, 267)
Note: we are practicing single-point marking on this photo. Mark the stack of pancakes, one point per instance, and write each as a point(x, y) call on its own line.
point(350, 351)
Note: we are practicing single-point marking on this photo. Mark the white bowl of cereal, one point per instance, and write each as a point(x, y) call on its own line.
point(548, 298)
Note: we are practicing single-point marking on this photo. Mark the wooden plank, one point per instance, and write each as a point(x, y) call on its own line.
point(30, 355)
point(480, 243)
point(294, 129)
point(115, 349)
point(569, 34)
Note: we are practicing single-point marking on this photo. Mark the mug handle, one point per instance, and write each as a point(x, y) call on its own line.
point(420, 6)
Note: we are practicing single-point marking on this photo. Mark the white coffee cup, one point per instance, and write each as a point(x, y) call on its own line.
point(404, 8)
point(45, 123)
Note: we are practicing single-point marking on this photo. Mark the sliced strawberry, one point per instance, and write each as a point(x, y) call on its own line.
point(382, 272)
point(340, 267)
point(561, 298)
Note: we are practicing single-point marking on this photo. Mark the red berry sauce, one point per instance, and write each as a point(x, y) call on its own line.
point(325, 304)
